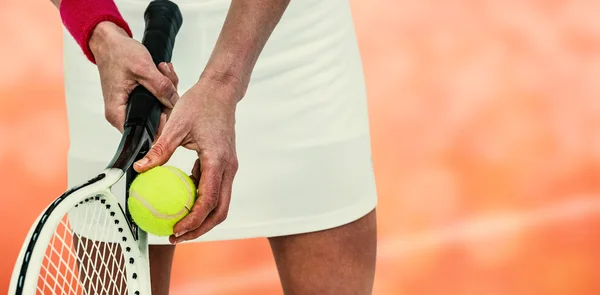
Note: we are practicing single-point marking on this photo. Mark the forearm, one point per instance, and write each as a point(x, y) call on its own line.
point(247, 27)
point(82, 18)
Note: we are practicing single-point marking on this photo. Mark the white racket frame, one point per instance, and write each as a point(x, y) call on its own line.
point(138, 284)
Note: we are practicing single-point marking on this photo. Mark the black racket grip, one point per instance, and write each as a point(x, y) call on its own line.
point(163, 21)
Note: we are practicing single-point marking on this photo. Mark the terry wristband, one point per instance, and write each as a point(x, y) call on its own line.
point(80, 18)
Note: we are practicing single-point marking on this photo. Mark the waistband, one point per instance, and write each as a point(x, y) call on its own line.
point(183, 4)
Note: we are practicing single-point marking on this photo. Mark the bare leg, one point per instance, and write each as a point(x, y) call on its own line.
point(161, 261)
point(336, 261)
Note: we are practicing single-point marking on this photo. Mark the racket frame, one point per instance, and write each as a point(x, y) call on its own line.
point(134, 144)
point(163, 21)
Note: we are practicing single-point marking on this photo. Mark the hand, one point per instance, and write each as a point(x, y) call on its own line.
point(202, 120)
point(123, 64)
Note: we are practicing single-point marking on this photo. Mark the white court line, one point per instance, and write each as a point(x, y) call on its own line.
point(399, 246)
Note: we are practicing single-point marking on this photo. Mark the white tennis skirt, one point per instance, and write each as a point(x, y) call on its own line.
point(302, 129)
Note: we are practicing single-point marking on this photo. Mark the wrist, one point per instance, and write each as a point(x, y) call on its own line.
point(103, 35)
point(233, 84)
point(81, 18)
point(230, 66)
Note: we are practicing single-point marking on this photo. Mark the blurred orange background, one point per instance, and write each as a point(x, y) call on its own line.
point(486, 138)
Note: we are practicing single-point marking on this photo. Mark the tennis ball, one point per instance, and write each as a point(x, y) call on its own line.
point(159, 198)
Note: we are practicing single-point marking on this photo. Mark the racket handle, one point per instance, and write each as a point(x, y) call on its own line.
point(163, 20)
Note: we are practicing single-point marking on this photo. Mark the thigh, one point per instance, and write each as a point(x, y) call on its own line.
point(336, 261)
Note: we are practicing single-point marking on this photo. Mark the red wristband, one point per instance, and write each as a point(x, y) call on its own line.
point(80, 17)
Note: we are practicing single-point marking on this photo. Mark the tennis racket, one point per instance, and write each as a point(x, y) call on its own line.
point(85, 242)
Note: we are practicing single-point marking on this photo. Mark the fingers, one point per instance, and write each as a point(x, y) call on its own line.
point(217, 215)
point(115, 113)
point(157, 83)
point(115, 104)
point(196, 172)
point(216, 181)
point(168, 70)
point(208, 198)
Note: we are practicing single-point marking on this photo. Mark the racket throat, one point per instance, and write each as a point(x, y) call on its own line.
point(135, 143)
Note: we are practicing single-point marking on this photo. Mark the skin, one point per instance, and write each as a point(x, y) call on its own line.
point(334, 261)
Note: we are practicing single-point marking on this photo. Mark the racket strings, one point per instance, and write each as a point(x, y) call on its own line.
point(85, 261)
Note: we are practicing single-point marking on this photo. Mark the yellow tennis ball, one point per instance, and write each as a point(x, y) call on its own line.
point(159, 198)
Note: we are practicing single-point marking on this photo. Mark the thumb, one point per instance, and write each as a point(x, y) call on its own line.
point(159, 154)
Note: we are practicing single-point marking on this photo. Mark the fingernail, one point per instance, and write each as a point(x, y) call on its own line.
point(142, 162)
point(181, 233)
point(168, 68)
point(174, 98)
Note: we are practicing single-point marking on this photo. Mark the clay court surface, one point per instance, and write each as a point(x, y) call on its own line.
point(486, 138)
